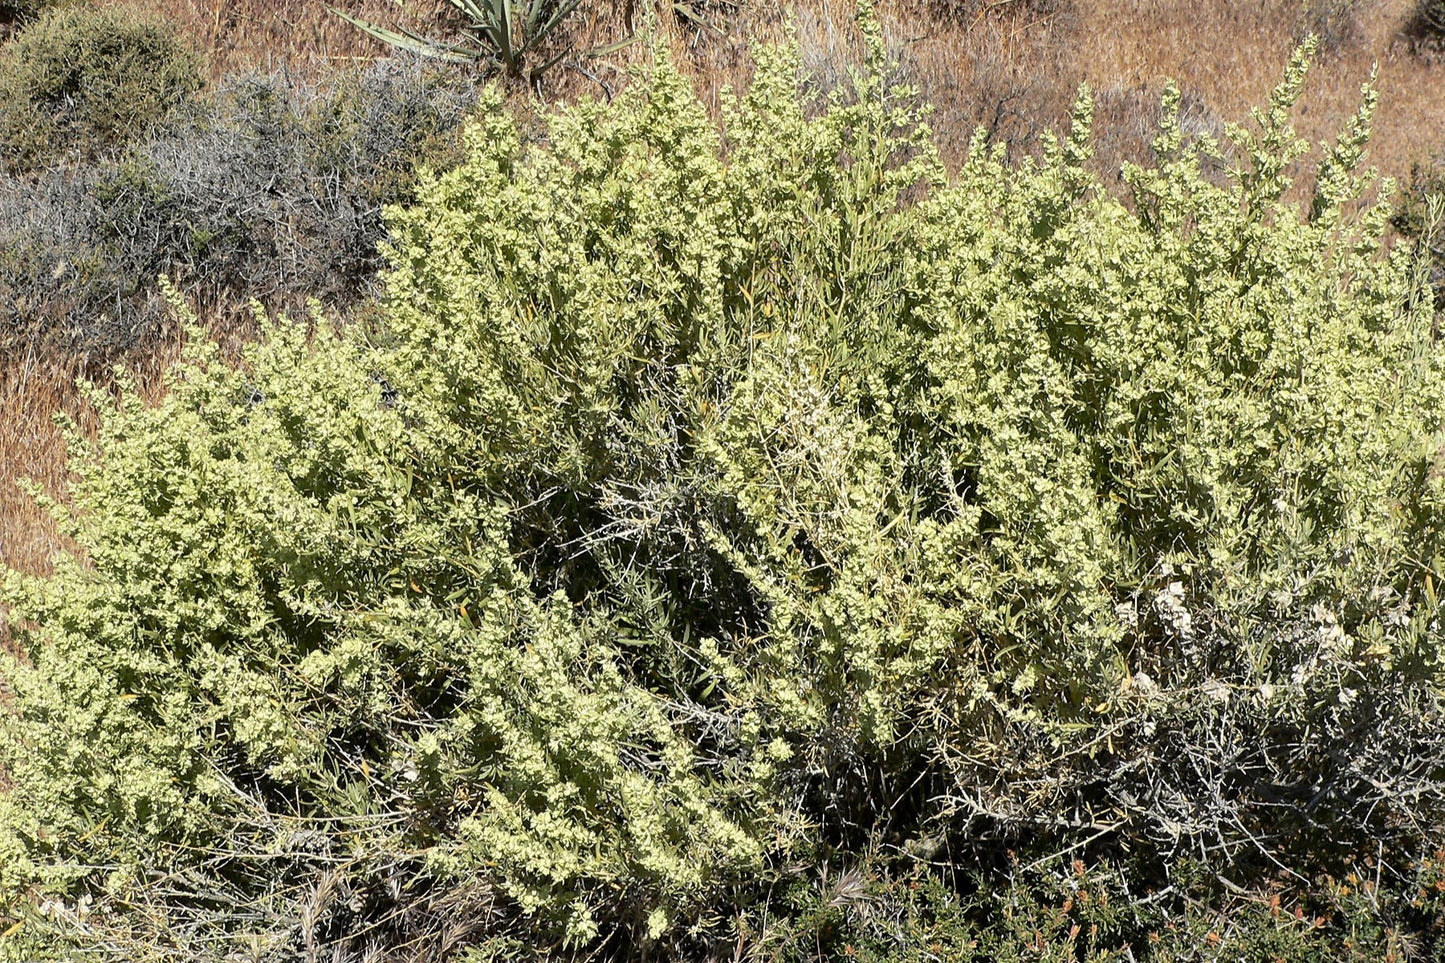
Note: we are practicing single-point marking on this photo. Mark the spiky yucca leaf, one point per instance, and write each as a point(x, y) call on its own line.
point(498, 30)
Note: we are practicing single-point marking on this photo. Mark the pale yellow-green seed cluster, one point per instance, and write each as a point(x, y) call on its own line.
point(707, 491)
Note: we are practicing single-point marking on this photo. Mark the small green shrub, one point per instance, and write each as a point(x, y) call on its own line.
point(720, 507)
point(81, 80)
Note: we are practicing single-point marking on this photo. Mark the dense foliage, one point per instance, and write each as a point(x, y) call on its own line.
point(80, 80)
point(727, 528)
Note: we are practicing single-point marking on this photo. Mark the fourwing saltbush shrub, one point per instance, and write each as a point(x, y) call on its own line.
point(717, 502)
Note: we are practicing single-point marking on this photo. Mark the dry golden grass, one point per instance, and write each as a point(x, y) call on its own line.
point(33, 389)
point(30, 448)
point(1230, 54)
point(1008, 65)
point(1011, 66)
point(264, 34)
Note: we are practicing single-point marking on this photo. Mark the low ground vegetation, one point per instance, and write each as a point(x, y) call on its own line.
point(80, 81)
point(1421, 217)
point(271, 189)
point(749, 539)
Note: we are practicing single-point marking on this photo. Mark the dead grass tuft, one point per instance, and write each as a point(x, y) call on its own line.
point(238, 35)
point(31, 449)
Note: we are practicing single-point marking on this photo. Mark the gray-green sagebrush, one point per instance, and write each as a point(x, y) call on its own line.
point(271, 188)
point(714, 502)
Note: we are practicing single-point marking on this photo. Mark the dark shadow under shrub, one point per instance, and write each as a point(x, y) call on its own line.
point(1424, 31)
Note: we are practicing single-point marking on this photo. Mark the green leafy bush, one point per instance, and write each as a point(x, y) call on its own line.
point(81, 80)
point(716, 508)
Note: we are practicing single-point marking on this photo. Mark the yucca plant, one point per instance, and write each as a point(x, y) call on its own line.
point(504, 31)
